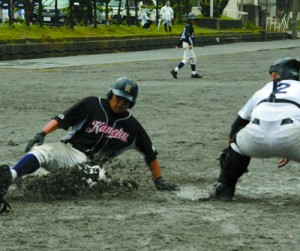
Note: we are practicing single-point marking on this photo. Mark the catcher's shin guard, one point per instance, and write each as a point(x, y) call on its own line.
point(233, 166)
point(5, 182)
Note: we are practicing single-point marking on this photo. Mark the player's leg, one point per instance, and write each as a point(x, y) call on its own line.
point(288, 141)
point(185, 47)
point(28, 164)
point(170, 25)
point(177, 68)
point(58, 155)
point(5, 182)
point(50, 156)
point(232, 168)
point(192, 57)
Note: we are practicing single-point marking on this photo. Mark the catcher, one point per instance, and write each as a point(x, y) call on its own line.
point(267, 126)
point(99, 126)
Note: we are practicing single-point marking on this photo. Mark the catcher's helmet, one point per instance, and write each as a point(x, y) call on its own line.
point(191, 16)
point(287, 68)
point(126, 88)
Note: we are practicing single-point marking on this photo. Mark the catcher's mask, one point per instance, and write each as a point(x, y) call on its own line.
point(287, 68)
point(126, 88)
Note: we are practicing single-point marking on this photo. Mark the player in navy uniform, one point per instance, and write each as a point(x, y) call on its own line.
point(99, 126)
point(186, 41)
point(267, 126)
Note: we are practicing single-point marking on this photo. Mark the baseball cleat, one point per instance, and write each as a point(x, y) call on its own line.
point(197, 75)
point(174, 73)
point(5, 179)
point(222, 192)
point(5, 182)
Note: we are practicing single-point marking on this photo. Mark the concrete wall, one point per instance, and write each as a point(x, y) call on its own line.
point(37, 49)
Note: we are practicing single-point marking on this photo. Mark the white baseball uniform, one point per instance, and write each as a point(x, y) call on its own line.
point(274, 128)
point(53, 156)
point(167, 14)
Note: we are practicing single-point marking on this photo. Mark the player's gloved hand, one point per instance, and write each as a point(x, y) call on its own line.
point(282, 162)
point(161, 184)
point(38, 139)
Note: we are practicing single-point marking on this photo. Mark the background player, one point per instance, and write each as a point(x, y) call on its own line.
point(100, 127)
point(186, 41)
point(267, 126)
point(167, 15)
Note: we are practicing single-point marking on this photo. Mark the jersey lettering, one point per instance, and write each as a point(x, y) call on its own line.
point(109, 131)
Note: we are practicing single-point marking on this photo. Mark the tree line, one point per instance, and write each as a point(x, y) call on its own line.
point(86, 12)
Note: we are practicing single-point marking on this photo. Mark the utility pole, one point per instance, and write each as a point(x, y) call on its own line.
point(211, 8)
point(294, 19)
point(241, 5)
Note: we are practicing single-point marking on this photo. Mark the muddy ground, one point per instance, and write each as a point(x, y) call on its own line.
point(188, 121)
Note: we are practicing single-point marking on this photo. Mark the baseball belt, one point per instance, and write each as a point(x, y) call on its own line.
point(283, 122)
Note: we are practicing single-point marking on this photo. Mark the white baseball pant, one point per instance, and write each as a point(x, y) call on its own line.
point(57, 155)
point(188, 54)
point(269, 139)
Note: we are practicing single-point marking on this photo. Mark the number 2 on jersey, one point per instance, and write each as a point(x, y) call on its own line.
point(281, 87)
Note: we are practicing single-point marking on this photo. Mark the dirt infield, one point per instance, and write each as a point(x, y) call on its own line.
point(188, 121)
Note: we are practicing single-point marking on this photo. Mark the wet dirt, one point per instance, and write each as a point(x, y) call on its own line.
point(188, 121)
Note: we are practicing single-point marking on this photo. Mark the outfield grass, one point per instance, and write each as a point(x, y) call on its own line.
point(20, 31)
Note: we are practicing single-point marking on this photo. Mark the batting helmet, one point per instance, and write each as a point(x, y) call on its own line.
point(287, 68)
point(126, 88)
point(191, 16)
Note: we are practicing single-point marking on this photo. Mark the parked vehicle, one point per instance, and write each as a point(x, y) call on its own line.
point(48, 12)
point(84, 12)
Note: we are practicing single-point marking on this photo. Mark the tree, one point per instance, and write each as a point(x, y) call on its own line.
point(127, 12)
point(219, 6)
point(28, 12)
point(157, 11)
point(39, 15)
point(178, 10)
point(187, 7)
point(294, 19)
point(106, 12)
point(95, 14)
point(56, 12)
point(71, 18)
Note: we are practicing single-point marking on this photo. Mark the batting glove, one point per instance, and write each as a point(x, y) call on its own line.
point(38, 139)
point(161, 184)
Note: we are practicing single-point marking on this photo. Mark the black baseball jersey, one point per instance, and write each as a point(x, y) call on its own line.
point(188, 35)
point(97, 130)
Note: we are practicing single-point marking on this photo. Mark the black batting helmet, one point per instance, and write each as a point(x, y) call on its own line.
point(287, 68)
point(126, 88)
point(191, 16)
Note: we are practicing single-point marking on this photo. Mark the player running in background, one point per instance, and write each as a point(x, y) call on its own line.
point(99, 127)
point(267, 126)
point(186, 41)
